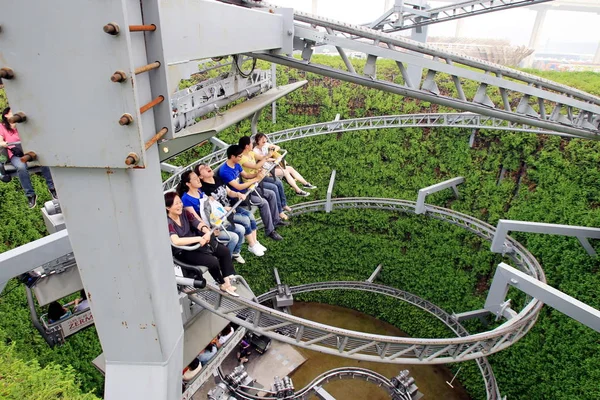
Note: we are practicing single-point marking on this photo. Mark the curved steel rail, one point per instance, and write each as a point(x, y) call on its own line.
point(449, 120)
point(359, 345)
point(326, 377)
point(491, 386)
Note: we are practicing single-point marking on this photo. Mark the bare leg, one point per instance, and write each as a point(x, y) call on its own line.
point(251, 239)
point(288, 177)
point(296, 174)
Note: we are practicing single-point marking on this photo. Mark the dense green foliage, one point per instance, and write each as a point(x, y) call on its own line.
point(27, 380)
point(548, 179)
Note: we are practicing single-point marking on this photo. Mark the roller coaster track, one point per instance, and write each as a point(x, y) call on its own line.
point(412, 17)
point(502, 92)
point(335, 374)
point(450, 120)
point(378, 348)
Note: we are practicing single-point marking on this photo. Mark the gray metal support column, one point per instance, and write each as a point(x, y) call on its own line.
point(118, 232)
point(597, 55)
point(375, 274)
point(506, 276)
point(274, 104)
point(107, 177)
point(330, 191)
point(254, 123)
point(419, 34)
point(534, 40)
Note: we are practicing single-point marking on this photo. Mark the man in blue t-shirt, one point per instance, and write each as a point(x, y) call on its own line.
point(231, 171)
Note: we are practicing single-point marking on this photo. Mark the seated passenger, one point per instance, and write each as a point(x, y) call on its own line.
point(214, 186)
point(230, 173)
point(82, 303)
point(225, 335)
point(251, 168)
point(207, 354)
point(193, 201)
point(56, 312)
point(192, 370)
point(186, 230)
point(263, 149)
point(10, 134)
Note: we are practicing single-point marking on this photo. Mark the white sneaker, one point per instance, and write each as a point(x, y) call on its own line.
point(256, 251)
point(260, 246)
point(239, 258)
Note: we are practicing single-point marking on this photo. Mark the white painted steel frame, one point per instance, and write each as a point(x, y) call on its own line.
point(506, 276)
point(582, 116)
point(582, 233)
point(379, 348)
point(450, 120)
point(423, 193)
point(409, 18)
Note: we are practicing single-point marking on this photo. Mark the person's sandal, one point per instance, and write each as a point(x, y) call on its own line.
point(229, 290)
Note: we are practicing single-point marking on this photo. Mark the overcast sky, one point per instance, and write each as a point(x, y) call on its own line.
point(514, 25)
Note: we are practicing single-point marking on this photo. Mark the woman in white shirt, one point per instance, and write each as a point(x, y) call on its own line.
point(262, 148)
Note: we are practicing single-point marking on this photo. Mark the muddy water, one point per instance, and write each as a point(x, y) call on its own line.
point(431, 379)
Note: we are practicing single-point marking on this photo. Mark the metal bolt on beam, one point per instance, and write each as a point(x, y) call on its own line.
point(29, 156)
point(118, 76)
point(147, 68)
point(153, 103)
point(112, 28)
point(125, 119)
point(142, 28)
point(18, 118)
point(156, 137)
point(132, 159)
point(7, 73)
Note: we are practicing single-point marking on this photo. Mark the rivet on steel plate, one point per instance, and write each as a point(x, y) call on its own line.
point(17, 118)
point(132, 159)
point(118, 76)
point(112, 28)
point(7, 73)
point(125, 119)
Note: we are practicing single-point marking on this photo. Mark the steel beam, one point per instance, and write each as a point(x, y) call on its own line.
point(575, 112)
point(580, 232)
point(409, 17)
point(375, 274)
point(507, 276)
point(330, 191)
point(117, 224)
point(423, 193)
point(24, 258)
point(190, 25)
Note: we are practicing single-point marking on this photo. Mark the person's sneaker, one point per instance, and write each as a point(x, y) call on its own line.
point(260, 246)
point(53, 193)
point(257, 251)
point(239, 258)
point(275, 236)
point(309, 186)
point(32, 201)
point(282, 223)
point(302, 193)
